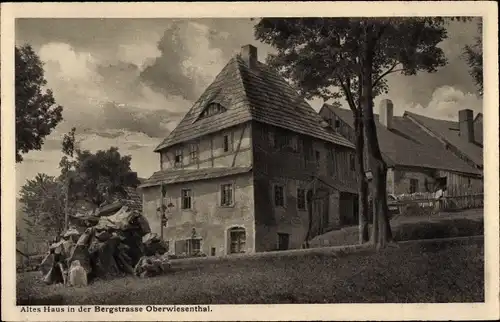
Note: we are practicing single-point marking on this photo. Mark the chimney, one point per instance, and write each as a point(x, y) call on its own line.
point(386, 113)
point(249, 55)
point(466, 124)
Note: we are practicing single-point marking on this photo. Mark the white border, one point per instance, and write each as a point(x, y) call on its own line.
point(487, 9)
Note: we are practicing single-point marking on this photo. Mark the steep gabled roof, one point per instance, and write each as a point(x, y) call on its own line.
point(257, 94)
point(407, 144)
point(449, 132)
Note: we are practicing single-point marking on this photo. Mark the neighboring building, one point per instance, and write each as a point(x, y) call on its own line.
point(247, 165)
point(456, 137)
point(417, 161)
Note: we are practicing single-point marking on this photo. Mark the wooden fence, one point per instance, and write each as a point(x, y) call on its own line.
point(445, 204)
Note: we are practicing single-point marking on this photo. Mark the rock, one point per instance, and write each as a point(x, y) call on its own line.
point(77, 274)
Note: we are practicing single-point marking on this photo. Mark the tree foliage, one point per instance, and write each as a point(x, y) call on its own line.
point(43, 202)
point(473, 54)
point(37, 113)
point(351, 57)
point(99, 177)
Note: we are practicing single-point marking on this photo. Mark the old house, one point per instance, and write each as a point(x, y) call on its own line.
point(251, 167)
point(417, 160)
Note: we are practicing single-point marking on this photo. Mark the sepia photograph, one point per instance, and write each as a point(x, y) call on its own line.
point(248, 160)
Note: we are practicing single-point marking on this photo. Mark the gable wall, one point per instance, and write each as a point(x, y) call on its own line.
point(210, 150)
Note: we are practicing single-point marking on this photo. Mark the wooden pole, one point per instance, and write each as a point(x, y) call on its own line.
point(162, 210)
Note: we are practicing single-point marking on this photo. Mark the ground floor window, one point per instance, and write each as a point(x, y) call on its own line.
point(413, 185)
point(188, 247)
point(237, 240)
point(283, 241)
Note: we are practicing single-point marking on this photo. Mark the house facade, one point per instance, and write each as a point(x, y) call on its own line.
point(250, 168)
point(417, 160)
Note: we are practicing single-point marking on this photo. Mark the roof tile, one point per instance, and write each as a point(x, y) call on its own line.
point(448, 130)
point(172, 176)
point(407, 144)
point(257, 94)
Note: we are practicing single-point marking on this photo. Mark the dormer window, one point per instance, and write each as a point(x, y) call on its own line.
point(212, 109)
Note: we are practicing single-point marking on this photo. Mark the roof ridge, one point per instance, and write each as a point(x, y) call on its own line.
point(238, 59)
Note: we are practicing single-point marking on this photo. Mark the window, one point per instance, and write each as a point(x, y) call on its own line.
point(188, 247)
point(279, 196)
point(333, 165)
point(318, 155)
point(301, 199)
point(186, 198)
point(193, 153)
point(293, 143)
point(413, 185)
point(272, 139)
point(212, 109)
point(226, 195)
point(178, 158)
point(227, 143)
point(337, 123)
point(195, 245)
point(352, 162)
point(212, 251)
point(237, 240)
point(283, 241)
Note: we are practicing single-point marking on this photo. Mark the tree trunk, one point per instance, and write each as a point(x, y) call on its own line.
point(362, 183)
point(66, 203)
point(309, 198)
point(381, 230)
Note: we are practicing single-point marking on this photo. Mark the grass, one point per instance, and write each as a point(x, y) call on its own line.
point(413, 272)
point(444, 225)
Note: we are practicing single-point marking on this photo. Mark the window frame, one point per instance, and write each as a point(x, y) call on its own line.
point(178, 153)
point(413, 185)
point(283, 202)
point(229, 142)
point(193, 153)
point(352, 162)
point(293, 143)
point(299, 199)
point(240, 242)
point(221, 195)
point(183, 198)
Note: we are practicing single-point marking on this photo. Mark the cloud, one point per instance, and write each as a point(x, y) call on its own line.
point(187, 63)
point(445, 103)
point(107, 96)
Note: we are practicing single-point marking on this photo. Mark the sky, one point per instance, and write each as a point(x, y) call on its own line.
point(128, 82)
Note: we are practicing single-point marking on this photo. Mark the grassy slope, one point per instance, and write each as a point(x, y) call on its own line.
point(414, 272)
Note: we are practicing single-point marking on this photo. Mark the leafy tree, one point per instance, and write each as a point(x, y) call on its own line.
point(350, 58)
point(43, 202)
point(100, 177)
point(473, 54)
point(37, 113)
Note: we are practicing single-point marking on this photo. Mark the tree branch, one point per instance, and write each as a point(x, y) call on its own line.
point(387, 72)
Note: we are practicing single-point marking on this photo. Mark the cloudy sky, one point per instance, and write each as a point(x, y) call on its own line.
point(127, 82)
